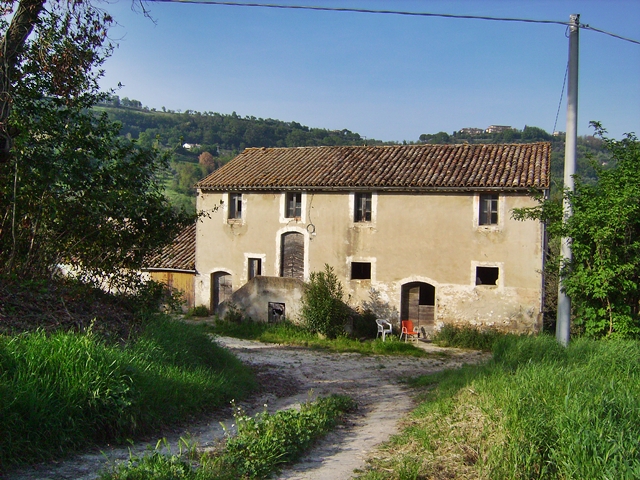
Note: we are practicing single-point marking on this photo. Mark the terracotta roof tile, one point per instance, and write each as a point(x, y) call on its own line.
point(178, 255)
point(396, 167)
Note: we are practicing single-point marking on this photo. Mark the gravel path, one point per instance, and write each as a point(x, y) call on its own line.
point(289, 376)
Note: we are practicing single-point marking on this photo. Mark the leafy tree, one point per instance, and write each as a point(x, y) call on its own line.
point(603, 279)
point(72, 190)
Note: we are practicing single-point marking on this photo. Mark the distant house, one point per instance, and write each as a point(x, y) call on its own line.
point(426, 228)
point(471, 131)
point(174, 265)
point(498, 128)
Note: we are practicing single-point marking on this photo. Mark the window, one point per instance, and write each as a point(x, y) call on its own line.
point(293, 205)
point(487, 275)
point(255, 267)
point(488, 209)
point(235, 206)
point(362, 203)
point(360, 271)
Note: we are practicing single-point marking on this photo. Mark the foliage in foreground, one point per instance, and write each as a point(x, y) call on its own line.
point(290, 334)
point(603, 279)
point(537, 411)
point(73, 192)
point(261, 446)
point(64, 391)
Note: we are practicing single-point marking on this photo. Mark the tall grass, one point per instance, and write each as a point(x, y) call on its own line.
point(63, 391)
point(539, 410)
point(467, 337)
point(290, 334)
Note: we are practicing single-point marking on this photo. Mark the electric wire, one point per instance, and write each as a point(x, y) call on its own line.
point(566, 72)
point(364, 10)
point(620, 37)
point(397, 12)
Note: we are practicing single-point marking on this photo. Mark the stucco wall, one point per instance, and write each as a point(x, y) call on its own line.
point(433, 238)
point(254, 297)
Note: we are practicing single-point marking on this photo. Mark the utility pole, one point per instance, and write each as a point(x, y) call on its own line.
point(563, 325)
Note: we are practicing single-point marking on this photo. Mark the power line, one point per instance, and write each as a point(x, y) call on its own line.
point(396, 12)
point(364, 10)
point(555, 124)
point(589, 27)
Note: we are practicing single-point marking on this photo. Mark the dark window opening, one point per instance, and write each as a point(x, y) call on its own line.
point(235, 206)
point(488, 209)
point(362, 211)
point(360, 270)
point(255, 267)
point(487, 275)
point(294, 205)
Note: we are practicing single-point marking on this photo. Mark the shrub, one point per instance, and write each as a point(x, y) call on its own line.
point(323, 310)
point(233, 314)
point(199, 311)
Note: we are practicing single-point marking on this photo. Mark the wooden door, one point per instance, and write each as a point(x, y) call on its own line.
point(292, 255)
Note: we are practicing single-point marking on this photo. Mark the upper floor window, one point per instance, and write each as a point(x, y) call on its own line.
point(235, 206)
point(293, 207)
point(488, 214)
point(362, 204)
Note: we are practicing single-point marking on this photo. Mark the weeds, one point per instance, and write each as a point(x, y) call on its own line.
point(260, 447)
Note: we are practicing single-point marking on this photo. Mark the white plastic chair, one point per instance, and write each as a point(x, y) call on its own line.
point(384, 327)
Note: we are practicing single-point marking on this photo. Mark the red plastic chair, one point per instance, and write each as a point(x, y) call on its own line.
point(409, 331)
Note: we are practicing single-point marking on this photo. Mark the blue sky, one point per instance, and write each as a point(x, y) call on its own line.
point(384, 76)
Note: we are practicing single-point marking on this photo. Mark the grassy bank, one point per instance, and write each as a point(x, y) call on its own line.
point(64, 391)
point(290, 334)
point(537, 411)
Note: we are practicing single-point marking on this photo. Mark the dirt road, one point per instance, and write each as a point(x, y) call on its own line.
point(290, 376)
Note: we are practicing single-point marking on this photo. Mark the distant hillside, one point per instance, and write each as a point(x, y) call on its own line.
point(201, 142)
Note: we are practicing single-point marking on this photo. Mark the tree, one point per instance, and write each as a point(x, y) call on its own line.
point(603, 279)
point(72, 191)
point(206, 159)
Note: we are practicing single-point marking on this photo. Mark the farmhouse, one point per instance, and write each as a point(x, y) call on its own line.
point(425, 229)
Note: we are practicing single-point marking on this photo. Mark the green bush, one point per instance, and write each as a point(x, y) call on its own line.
point(323, 310)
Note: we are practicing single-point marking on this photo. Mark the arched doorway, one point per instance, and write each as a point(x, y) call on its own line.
point(221, 289)
point(292, 255)
point(418, 303)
